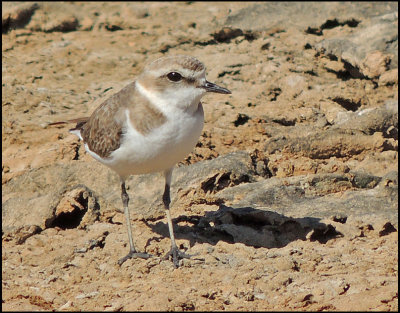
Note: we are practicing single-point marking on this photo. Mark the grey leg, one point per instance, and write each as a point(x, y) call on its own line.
point(132, 252)
point(174, 252)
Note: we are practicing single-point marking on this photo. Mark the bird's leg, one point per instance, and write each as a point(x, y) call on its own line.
point(132, 252)
point(174, 252)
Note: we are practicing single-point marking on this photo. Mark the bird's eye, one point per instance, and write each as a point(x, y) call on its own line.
point(174, 76)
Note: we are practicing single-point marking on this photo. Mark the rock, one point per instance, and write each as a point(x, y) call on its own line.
point(301, 196)
point(227, 33)
point(371, 120)
point(375, 64)
point(289, 201)
point(17, 15)
point(269, 15)
point(389, 78)
point(366, 53)
point(64, 24)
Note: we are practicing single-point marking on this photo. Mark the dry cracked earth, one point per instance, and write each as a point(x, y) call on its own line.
point(289, 200)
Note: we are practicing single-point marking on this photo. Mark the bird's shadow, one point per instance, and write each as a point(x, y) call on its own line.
point(247, 225)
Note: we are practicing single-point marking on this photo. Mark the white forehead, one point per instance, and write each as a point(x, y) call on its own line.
point(187, 66)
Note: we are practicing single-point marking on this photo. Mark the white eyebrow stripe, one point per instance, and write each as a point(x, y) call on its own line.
point(183, 71)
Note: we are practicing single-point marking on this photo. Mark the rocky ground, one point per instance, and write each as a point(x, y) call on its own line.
point(289, 200)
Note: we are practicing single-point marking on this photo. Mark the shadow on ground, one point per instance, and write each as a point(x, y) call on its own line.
point(247, 225)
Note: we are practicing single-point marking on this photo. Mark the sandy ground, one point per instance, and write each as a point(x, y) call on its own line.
point(313, 123)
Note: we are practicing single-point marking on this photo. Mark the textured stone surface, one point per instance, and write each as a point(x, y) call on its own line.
point(289, 200)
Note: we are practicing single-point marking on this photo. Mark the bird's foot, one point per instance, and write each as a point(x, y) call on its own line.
point(176, 255)
point(134, 255)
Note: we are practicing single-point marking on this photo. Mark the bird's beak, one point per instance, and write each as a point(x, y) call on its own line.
point(210, 87)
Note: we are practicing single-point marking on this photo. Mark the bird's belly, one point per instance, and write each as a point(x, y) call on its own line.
point(159, 150)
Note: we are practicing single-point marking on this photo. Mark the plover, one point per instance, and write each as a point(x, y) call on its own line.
point(149, 126)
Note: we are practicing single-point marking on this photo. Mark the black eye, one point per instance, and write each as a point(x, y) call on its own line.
point(174, 76)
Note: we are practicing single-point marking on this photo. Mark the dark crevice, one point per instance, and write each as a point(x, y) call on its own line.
point(340, 219)
point(113, 28)
point(229, 73)
point(387, 229)
point(81, 202)
point(221, 181)
point(285, 122)
point(353, 71)
point(329, 24)
point(323, 235)
point(93, 243)
point(68, 220)
point(241, 119)
point(76, 156)
point(205, 43)
point(274, 93)
point(342, 75)
point(23, 17)
point(347, 104)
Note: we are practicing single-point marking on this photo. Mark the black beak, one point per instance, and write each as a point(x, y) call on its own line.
point(210, 87)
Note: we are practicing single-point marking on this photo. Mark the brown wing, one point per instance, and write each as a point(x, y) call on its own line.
point(102, 132)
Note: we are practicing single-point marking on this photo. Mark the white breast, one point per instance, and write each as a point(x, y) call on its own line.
point(160, 149)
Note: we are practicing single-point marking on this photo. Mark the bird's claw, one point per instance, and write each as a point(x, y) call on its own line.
point(176, 255)
point(134, 255)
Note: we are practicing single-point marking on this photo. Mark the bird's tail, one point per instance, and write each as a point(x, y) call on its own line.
point(79, 122)
point(77, 129)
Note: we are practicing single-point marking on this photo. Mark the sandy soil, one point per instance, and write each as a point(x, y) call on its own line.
point(297, 108)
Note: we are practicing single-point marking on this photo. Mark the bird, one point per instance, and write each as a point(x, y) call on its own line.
point(149, 126)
